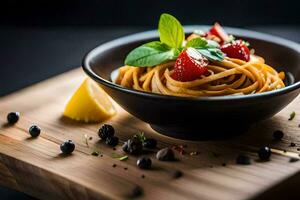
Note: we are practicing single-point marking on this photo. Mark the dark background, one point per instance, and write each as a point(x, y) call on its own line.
point(39, 39)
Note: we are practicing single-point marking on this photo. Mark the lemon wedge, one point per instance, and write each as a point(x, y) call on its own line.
point(89, 103)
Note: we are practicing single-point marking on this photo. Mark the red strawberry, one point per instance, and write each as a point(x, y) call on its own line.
point(218, 31)
point(189, 65)
point(236, 49)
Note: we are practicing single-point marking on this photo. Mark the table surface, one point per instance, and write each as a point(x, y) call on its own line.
point(39, 53)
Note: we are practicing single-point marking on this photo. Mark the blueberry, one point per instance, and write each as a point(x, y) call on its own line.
point(67, 147)
point(136, 192)
point(106, 131)
point(112, 141)
point(150, 143)
point(133, 146)
point(34, 131)
point(144, 163)
point(278, 135)
point(13, 117)
point(177, 174)
point(292, 144)
point(264, 153)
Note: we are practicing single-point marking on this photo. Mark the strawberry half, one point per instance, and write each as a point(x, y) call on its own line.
point(189, 65)
point(218, 31)
point(236, 49)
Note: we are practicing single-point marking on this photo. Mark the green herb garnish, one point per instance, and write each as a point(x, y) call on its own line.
point(123, 158)
point(150, 54)
point(85, 140)
point(140, 136)
point(95, 153)
point(120, 157)
point(292, 115)
point(171, 44)
point(170, 31)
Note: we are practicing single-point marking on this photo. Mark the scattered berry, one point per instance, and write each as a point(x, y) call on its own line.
point(293, 160)
point(264, 153)
point(67, 147)
point(189, 65)
point(165, 154)
point(179, 148)
point(150, 143)
point(34, 131)
point(13, 117)
point(292, 144)
point(133, 146)
point(236, 49)
point(243, 160)
point(112, 141)
point(218, 31)
point(106, 131)
point(144, 163)
point(278, 135)
point(136, 192)
point(177, 174)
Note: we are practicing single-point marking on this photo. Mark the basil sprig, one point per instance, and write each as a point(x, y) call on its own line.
point(150, 54)
point(208, 48)
point(170, 45)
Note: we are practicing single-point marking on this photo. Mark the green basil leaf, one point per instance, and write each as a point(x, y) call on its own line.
point(151, 54)
point(212, 44)
point(170, 31)
point(197, 43)
point(212, 54)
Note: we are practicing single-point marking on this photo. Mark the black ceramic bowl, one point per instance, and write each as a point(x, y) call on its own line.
point(199, 117)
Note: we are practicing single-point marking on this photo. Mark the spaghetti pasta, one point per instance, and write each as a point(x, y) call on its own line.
point(228, 77)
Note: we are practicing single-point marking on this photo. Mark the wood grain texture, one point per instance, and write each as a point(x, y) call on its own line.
point(36, 167)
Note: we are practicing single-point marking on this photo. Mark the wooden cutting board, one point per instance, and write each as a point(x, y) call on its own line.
point(36, 167)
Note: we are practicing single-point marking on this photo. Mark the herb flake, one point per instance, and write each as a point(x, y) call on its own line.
point(120, 157)
point(140, 136)
point(85, 139)
point(292, 115)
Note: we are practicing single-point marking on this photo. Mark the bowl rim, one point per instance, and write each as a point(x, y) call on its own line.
point(153, 33)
